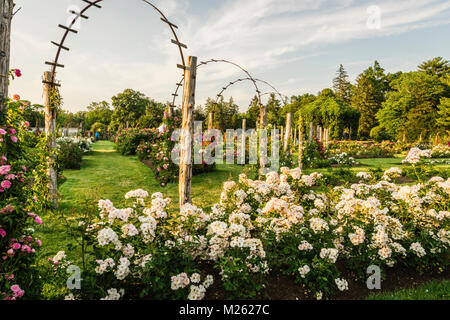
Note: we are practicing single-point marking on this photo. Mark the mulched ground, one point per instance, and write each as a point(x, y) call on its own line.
point(281, 287)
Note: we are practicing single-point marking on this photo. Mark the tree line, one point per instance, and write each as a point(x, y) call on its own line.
point(378, 105)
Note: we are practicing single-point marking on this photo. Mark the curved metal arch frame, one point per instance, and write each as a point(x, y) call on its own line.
point(95, 3)
point(202, 63)
point(232, 83)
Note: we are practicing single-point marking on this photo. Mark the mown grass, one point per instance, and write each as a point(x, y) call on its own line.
point(105, 174)
point(436, 290)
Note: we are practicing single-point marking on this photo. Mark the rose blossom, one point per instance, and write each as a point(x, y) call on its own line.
point(6, 184)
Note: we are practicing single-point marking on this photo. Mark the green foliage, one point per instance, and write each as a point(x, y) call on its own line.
point(367, 97)
point(412, 109)
point(129, 107)
point(342, 86)
point(330, 112)
point(69, 155)
point(436, 67)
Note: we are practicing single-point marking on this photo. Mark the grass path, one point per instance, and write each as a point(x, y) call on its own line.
point(105, 174)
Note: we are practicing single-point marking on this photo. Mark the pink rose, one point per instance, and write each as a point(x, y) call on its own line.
point(2, 132)
point(13, 139)
point(6, 184)
point(38, 220)
point(18, 73)
point(5, 170)
point(2, 233)
point(16, 246)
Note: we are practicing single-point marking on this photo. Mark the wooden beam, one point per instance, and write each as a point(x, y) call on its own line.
point(67, 28)
point(60, 45)
point(50, 129)
point(92, 3)
point(179, 44)
point(79, 14)
point(169, 23)
point(187, 133)
point(54, 64)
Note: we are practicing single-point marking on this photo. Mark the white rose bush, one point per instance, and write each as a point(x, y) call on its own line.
point(289, 223)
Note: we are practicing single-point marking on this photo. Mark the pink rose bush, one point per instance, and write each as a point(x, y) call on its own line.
point(21, 167)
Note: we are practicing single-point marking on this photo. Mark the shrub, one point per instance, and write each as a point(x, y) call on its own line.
point(69, 156)
point(22, 181)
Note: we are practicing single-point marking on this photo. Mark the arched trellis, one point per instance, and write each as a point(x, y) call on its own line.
point(232, 83)
point(81, 15)
point(50, 83)
point(284, 99)
point(202, 63)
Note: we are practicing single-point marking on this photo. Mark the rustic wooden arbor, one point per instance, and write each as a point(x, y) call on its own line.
point(51, 91)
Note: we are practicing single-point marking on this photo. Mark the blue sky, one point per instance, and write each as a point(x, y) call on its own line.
point(296, 45)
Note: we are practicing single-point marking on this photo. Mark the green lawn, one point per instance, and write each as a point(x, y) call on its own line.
point(437, 290)
point(105, 174)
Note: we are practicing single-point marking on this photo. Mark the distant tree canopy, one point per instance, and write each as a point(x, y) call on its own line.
point(378, 106)
point(415, 107)
point(98, 112)
point(330, 112)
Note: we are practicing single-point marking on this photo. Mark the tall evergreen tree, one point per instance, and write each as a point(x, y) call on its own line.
point(341, 85)
point(437, 66)
point(368, 96)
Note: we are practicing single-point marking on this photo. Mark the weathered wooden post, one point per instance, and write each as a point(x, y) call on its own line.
point(185, 179)
point(244, 125)
point(287, 137)
point(211, 121)
point(311, 132)
point(282, 133)
point(50, 133)
point(6, 13)
point(169, 111)
point(263, 116)
point(300, 143)
point(326, 137)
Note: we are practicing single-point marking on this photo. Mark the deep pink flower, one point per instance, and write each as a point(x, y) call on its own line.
point(2, 233)
point(16, 246)
point(38, 220)
point(6, 184)
point(18, 73)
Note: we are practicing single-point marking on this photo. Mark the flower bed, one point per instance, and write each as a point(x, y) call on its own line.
point(282, 225)
point(22, 176)
point(363, 149)
point(156, 153)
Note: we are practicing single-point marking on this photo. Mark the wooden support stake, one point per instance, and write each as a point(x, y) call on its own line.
point(244, 125)
point(300, 144)
point(262, 116)
point(50, 131)
point(287, 136)
point(6, 13)
point(211, 121)
point(185, 179)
